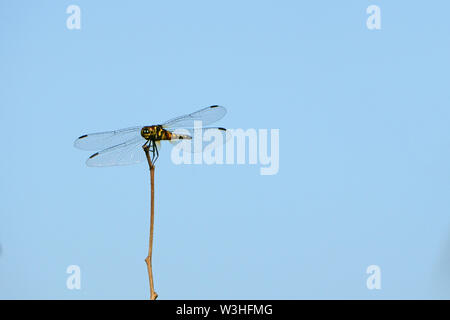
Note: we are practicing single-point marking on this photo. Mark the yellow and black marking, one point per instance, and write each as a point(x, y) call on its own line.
point(158, 133)
point(155, 133)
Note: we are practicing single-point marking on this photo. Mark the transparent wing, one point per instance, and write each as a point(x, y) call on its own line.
point(103, 140)
point(207, 115)
point(199, 140)
point(129, 152)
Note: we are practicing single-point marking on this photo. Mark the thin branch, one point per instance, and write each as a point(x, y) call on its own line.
point(148, 260)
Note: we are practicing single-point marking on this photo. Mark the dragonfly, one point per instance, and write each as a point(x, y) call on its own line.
point(124, 146)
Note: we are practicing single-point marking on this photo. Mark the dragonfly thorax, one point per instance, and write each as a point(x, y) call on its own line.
point(153, 133)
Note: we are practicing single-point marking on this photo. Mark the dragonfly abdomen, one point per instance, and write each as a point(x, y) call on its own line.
point(175, 136)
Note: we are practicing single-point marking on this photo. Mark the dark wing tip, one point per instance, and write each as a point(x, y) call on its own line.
point(94, 155)
point(83, 136)
point(223, 129)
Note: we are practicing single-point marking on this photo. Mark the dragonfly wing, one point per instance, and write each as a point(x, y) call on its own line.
point(207, 115)
point(103, 140)
point(129, 152)
point(211, 138)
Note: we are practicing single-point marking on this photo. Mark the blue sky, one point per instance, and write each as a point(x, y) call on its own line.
point(364, 173)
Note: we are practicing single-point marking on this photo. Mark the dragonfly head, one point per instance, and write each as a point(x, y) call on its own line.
point(149, 132)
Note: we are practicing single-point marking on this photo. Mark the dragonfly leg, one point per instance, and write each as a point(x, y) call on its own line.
point(145, 145)
point(156, 150)
point(150, 146)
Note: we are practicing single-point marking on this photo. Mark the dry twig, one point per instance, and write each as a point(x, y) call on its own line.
point(148, 260)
